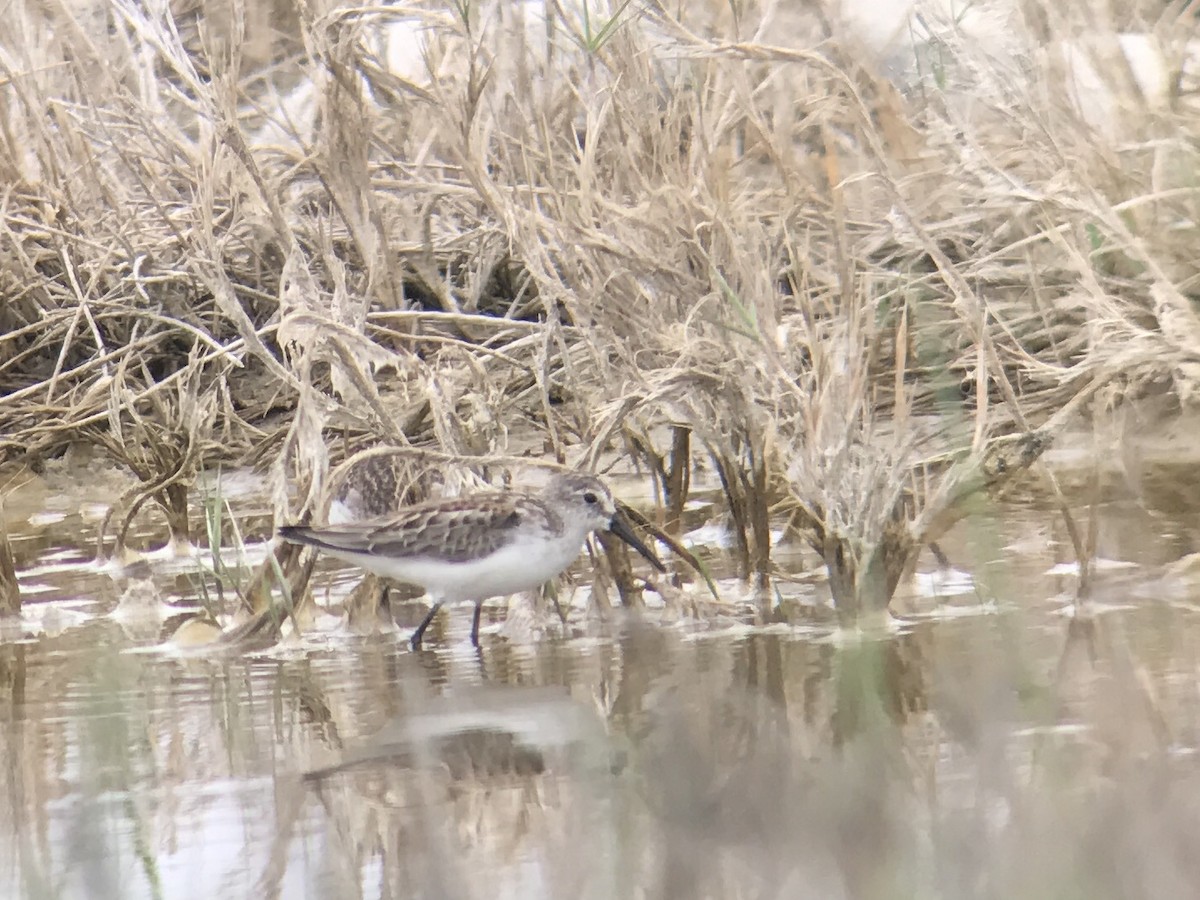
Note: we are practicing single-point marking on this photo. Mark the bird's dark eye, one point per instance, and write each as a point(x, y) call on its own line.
point(590, 498)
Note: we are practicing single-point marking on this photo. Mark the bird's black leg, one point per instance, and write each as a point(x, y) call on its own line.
point(415, 640)
point(475, 623)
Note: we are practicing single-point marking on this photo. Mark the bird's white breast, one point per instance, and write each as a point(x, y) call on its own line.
point(526, 562)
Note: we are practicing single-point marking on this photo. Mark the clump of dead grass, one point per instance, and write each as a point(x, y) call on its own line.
point(838, 288)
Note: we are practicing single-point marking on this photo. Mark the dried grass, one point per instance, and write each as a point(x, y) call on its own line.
point(841, 288)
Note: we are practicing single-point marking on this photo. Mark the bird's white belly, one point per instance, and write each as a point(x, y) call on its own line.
point(521, 566)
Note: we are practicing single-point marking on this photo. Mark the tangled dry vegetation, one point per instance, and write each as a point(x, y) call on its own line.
point(725, 234)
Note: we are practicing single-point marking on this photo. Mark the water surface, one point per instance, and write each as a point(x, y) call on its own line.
point(993, 745)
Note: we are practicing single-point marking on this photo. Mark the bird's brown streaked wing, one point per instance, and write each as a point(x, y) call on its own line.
point(449, 530)
point(352, 536)
point(453, 529)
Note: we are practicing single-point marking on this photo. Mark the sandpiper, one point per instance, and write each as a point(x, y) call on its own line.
point(480, 545)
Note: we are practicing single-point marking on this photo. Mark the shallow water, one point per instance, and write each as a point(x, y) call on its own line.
point(991, 746)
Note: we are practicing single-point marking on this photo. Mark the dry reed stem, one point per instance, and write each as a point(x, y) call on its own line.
point(10, 589)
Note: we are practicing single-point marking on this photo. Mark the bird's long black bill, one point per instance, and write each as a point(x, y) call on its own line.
point(622, 529)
